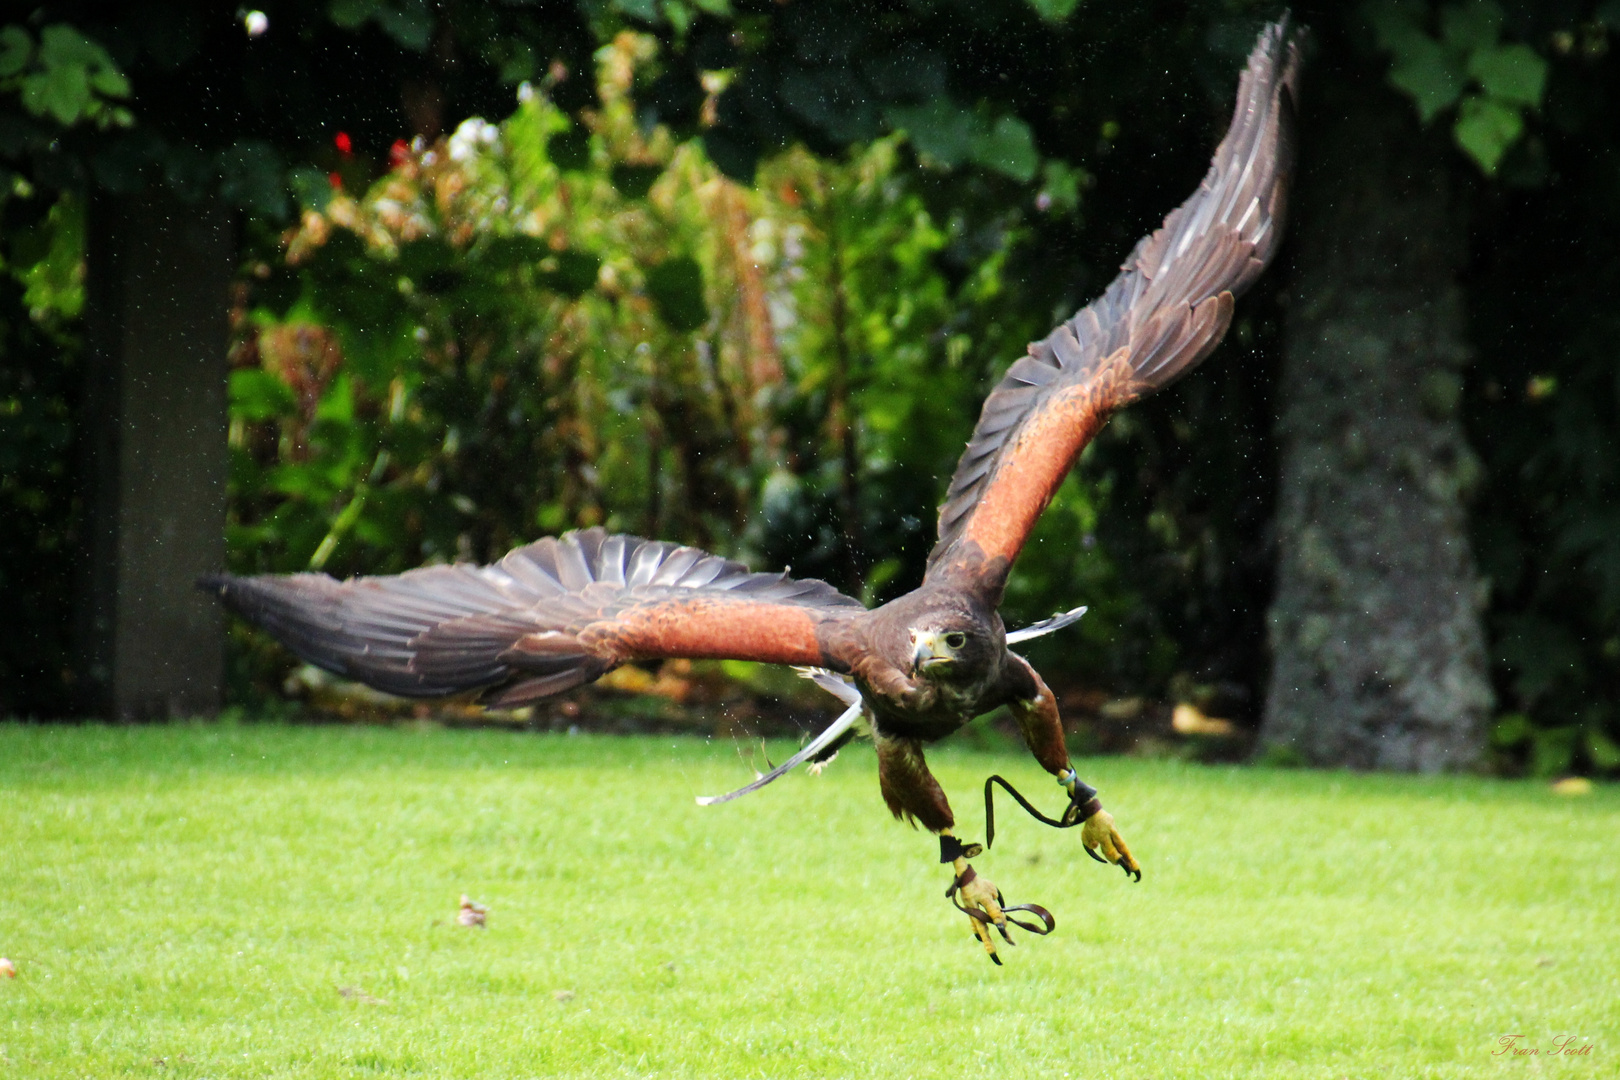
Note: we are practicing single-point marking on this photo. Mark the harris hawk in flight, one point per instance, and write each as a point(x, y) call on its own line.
point(560, 612)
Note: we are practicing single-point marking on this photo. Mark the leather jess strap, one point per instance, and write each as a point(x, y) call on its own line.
point(951, 849)
point(1084, 804)
point(1049, 923)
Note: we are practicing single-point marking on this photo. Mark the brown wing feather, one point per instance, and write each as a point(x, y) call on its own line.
point(1166, 311)
point(549, 616)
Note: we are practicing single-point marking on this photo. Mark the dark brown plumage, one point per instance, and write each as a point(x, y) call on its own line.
point(548, 617)
point(561, 612)
point(1166, 311)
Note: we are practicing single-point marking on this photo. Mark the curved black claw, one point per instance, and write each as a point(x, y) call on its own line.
point(1102, 842)
point(1134, 873)
point(988, 909)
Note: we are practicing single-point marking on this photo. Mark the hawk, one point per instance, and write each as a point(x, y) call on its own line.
point(560, 612)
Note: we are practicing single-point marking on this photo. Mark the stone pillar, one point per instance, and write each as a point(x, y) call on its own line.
point(149, 645)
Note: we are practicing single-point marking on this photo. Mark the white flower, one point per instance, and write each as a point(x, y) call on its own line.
point(473, 134)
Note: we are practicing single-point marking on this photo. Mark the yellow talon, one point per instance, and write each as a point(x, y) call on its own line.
point(976, 893)
point(1099, 833)
point(978, 898)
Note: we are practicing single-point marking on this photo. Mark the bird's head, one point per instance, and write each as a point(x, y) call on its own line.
point(950, 648)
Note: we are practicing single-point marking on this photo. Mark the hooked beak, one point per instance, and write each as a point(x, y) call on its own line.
point(929, 650)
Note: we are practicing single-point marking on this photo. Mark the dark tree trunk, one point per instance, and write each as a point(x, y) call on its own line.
point(154, 418)
point(1378, 648)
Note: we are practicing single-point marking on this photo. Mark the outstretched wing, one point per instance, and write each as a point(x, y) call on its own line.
point(548, 617)
point(1166, 311)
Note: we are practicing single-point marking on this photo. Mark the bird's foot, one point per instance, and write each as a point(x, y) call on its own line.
point(1099, 833)
point(1097, 829)
point(978, 898)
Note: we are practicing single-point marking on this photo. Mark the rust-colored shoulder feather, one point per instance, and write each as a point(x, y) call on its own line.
point(549, 616)
point(1166, 311)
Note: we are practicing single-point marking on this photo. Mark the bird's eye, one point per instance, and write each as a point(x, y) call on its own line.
point(956, 640)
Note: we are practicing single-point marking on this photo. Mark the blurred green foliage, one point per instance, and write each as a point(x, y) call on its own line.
point(1543, 410)
point(555, 322)
point(64, 76)
point(747, 286)
point(1454, 57)
point(1542, 398)
point(484, 346)
point(41, 297)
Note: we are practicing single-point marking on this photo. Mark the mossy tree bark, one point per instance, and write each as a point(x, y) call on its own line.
point(1378, 648)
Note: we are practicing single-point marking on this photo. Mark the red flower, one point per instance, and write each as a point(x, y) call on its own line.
point(399, 153)
point(344, 144)
point(335, 180)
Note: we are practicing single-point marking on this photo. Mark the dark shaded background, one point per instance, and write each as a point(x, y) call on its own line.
point(1133, 94)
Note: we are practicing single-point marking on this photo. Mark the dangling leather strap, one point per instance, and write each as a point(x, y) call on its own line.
point(1036, 910)
point(1082, 804)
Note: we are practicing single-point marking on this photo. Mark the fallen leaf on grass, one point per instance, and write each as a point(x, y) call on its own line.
point(7, 968)
point(357, 994)
point(1572, 785)
point(472, 913)
point(563, 995)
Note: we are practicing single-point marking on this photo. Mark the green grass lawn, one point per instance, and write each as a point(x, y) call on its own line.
point(189, 901)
